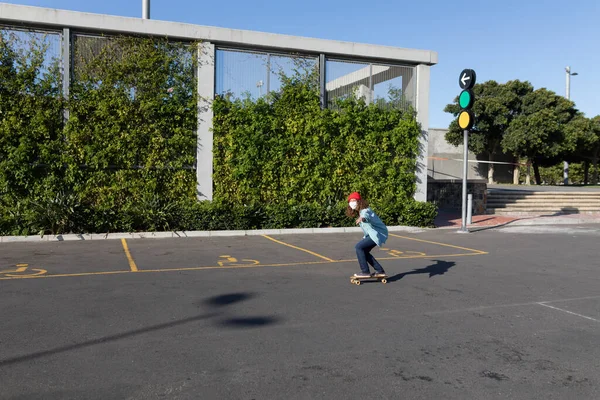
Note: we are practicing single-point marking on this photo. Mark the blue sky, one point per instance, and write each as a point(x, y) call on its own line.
point(501, 40)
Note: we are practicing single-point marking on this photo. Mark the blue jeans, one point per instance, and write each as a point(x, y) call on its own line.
point(363, 252)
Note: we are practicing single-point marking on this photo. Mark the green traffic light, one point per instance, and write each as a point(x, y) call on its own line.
point(465, 99)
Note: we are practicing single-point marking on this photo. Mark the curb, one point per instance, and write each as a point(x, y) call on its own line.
point(191, 234)
point(559, 221)
point(531, 221)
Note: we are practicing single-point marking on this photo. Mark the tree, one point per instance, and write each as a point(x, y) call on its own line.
point(595, 150)
point(541, 130)
point(495, 106)
point(585, 133)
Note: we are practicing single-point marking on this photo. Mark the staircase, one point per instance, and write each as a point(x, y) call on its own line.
point(516, 202)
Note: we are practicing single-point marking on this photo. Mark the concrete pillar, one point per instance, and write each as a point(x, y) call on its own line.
point(323, 80)
point(66, 67)
point(422, 108)
point(409, 84)
point(206, 95)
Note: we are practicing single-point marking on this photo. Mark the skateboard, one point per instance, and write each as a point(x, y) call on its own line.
point(357, 281)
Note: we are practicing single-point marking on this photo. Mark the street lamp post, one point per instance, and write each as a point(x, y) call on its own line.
point(568, 93)
point(146, 9)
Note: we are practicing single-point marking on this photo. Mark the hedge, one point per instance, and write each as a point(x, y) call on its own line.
point(124, 158)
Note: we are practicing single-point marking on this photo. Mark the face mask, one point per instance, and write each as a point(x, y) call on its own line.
point(353, 204)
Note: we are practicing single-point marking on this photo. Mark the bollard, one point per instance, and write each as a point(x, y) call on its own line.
point(470, 209)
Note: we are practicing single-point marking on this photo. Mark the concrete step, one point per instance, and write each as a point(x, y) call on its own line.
point(543, 210)
point(542, 196)
point(528, 202)
point(532, 192)
point(545, 207)
point(545, 197)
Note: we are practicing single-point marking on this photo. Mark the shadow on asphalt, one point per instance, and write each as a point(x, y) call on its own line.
point(439, 268)
point(227, 299)
point(245, 322)
point(213, 302)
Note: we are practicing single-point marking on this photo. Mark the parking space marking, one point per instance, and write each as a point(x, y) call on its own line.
point(225, 266)
point(299, 248)
point(229, 261)
point(567, 311)
point(132, 265)
point(235, 266)
point(531, 303)
point(440, 244)
point(427, 256)
point(399, 254)
point(230, 266)
point(66, 275)
point(22, 271)
point(575, 299)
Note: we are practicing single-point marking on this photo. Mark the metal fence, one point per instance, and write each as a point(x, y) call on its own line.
point(241, 73)
point(382, 84)
point(28, 44)
point(253, 74)
point(89, 50)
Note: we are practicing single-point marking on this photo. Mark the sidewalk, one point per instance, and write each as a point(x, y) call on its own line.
point(454, 220)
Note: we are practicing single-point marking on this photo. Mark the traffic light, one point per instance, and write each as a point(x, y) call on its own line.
point(466, 80)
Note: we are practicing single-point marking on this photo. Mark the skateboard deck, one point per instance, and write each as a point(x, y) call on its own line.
point(357, 280)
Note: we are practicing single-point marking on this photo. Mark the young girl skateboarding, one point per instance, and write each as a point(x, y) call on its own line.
point(375, 234)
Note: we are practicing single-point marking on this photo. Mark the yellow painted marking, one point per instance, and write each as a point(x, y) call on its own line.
point(249, 263)
point(395, 253)
point(66, 275)
point(419, 253)
point(132, 265)
point(431, 256)
point(440, 244)
point(232, 261)
point(228, 258)
point(398, 253)
point(299, 248)
point(237, 266)
point(21, 269)
point(232, 266)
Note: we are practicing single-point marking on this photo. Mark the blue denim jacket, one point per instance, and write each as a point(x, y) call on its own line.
point(373, 227)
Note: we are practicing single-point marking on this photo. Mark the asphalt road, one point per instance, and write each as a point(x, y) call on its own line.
point(496, 314)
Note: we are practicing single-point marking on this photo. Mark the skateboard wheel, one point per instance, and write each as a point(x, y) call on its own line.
point(357, 282)
point(384, 280)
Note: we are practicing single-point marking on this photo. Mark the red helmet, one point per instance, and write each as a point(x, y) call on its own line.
point(354, 196)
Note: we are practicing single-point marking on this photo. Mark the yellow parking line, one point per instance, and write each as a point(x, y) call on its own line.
point(132, 265)
point(67, 275)
point(429, 256)
point(170, 270)
point(329, 261)
point(440, 244)
point(236, 266)
point(299, 248)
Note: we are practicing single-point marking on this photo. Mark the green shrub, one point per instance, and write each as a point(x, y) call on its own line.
point(553, 175)
point(123, 159)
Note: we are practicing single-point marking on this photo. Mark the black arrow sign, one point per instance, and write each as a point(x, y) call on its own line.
point(467, 78)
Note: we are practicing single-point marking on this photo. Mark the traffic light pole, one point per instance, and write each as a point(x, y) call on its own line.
point(464, 187)
point(466, 119)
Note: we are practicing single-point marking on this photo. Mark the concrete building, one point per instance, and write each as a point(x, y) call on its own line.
point(445, 161)
point(344, 67)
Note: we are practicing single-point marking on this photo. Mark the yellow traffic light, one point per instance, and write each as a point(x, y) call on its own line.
point(465, 119)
